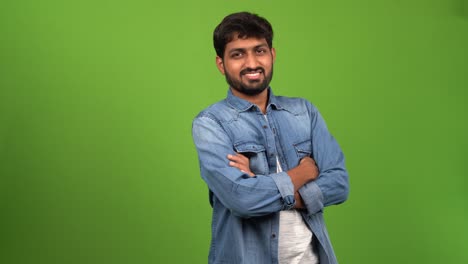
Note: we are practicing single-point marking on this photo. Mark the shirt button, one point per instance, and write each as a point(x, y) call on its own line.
point(265, 127)
point(273, 235)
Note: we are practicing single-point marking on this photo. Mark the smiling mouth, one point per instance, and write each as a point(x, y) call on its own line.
point(253, 75)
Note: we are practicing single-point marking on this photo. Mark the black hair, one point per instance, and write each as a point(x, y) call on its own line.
point(241, 25)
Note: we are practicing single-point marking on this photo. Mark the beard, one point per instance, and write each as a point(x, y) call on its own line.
point(251, 87)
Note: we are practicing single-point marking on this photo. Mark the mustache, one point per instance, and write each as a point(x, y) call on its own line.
point(249, 70)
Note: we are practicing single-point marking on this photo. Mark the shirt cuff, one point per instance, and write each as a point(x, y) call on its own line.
point(286, 189)
point(312, 197)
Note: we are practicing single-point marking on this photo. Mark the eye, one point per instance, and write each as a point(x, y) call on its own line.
point(261, 51)
point(236, 55)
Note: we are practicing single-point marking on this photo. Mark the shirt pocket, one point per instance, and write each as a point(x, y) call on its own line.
point(303, 149)
point(256, 155)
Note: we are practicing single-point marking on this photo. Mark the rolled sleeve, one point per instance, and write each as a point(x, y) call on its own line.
point(286, 189)
point(312, 196)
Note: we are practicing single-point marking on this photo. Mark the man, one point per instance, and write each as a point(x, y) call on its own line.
point(269, 161)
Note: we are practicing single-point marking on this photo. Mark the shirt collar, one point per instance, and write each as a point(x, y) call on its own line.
point(243, 105)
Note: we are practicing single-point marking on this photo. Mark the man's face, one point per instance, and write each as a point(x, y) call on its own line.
point(247, 65)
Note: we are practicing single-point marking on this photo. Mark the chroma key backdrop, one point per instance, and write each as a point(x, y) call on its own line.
point(97, 163)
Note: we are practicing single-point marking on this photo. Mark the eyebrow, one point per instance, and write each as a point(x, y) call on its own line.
point(244, 49)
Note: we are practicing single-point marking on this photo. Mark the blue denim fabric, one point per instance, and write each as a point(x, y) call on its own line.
point(246, 209)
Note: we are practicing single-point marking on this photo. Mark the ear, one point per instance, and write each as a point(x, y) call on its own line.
point(220, 64)
point(273, 54)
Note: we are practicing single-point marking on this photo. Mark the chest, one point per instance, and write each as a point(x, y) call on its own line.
point(265, 139)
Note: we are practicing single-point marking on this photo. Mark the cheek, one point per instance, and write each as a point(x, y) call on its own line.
point(232, 70)
point(268, 63)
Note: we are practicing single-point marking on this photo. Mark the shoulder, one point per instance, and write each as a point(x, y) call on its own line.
point(296, 105)
point(218, 112)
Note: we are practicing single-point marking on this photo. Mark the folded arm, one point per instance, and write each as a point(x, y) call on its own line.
point(243, 194)
point(332, 184)
point(307, 166)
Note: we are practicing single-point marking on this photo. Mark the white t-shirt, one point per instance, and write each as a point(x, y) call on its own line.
point(295, 238)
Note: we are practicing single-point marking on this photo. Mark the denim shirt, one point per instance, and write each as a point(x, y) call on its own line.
point(245, 220)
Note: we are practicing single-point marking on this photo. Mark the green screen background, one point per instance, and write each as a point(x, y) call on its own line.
point(97, 163)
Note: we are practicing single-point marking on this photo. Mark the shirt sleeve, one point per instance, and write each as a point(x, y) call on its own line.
point(332, 185)
point(245, 196)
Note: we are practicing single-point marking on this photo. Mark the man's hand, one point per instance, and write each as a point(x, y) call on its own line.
point(241, 162)
point(309, 164)
point(303, 173)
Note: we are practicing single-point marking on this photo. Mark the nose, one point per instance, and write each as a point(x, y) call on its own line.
point(251, 61)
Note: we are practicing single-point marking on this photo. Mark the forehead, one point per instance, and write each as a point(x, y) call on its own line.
point(245, 43)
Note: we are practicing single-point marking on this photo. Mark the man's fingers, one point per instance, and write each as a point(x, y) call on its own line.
point(235, 164)
point(238, 158)
point(234, 158)
point(240, 162)
point(241, 167)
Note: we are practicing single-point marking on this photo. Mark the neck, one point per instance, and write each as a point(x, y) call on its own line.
point(259, 100)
